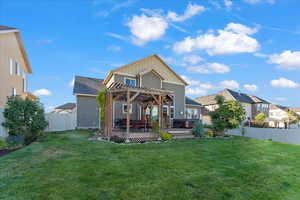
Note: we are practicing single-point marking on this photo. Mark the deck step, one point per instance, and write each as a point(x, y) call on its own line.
point(180, 132)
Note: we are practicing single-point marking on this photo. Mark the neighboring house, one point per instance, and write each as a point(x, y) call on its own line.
point(296, 110)
point(149, 72)
point(279, 117)
point(65, 108)
point(14, 67)
point(252, 105)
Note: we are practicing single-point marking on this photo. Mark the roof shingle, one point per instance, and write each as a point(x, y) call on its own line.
point(87, 86)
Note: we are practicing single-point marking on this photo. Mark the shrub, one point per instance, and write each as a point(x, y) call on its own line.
point(3, 144)
point(198, 129)
point(165, 136)
point(117, 139)
point(210, 133)
point(228, 115)
point(260, 117)
point(14, 142)
point(24, 117)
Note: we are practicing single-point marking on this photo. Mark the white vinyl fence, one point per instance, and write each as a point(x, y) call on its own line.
point(291, 136)
point(61, 122)
point(3, 132)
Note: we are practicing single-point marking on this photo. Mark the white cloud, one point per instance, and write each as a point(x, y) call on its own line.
point(228, 3)
point(240, 29)
point(280, 99)
point(259, 1)
point(261, 55)
point(114, 48)
point(231, 84)
point(192, 59)
point(286, 60)
point(190, 11)
point(210, 68)
point(152, 24)
point(284, 83)
point(251, 87)
point(71, 83)
point(190, 81)
point(147, 28)
point(235, 38)
point(117, 36)
point(42, 92)
point(195, 91)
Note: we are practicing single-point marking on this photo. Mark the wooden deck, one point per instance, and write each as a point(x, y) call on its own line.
point(150, 136)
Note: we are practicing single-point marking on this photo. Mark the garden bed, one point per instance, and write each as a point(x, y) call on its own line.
point(4, 152)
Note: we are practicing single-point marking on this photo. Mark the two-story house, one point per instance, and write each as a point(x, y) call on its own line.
point(149, 72)
point(14, 68)
point(252, 105)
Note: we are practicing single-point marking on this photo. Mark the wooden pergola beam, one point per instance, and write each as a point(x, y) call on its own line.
point(134, 96)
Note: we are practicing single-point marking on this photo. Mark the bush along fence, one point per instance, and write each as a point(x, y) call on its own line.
point(291, 136)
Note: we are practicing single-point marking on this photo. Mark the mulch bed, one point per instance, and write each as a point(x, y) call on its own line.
point(6, 151)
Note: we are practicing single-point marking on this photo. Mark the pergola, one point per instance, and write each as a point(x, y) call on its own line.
point(145, 97)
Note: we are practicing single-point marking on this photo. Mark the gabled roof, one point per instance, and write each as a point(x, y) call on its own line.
point(110, 74)
point(241, 97)
point(190, 101)
point(6, 29)
point(230, 95)
point(87, 86)
point(67, 106)
point(259, 100)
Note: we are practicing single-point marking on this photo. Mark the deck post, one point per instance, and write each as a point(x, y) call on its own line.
point(159, 111)
point(128, 116)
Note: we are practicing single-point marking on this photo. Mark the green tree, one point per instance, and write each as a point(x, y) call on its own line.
point(260, 117)
point(293, 117)
point(101, 97)
point(24, 117)
point(228, 115)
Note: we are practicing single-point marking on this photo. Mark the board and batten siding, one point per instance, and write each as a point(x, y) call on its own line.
point(179, 92)
point(87, 112)
point(148, 63)
point(151, 80)
point(118, 105)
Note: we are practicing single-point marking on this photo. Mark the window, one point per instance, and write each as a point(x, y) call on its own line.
point(130, 82)
point(18, 69)
point(191, 113)
point(125, 109)
point(11, 66)
point(14, 92)
point(24, 83)
point(172, 112)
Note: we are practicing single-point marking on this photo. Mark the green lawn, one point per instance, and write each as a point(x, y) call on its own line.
point(68, 166)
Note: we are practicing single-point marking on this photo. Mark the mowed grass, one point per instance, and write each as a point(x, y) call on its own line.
point(68, 166)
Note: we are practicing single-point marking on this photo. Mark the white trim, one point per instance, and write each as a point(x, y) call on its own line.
point(9, 31)
point(88, 95)
point(176, 83)
point(124, 74)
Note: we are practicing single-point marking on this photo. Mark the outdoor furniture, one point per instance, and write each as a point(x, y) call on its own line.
point(184, 123)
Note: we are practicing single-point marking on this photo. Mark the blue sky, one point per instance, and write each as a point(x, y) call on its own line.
point(247, 45)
